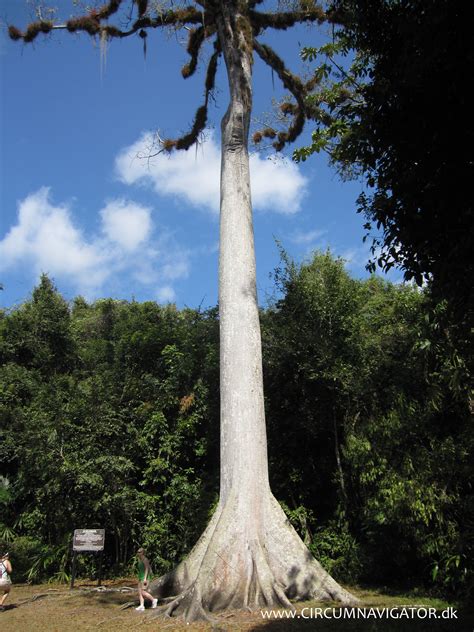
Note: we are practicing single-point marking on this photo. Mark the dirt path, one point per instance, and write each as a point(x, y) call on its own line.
point(54, 608)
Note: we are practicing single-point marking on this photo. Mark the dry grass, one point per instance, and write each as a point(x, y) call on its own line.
point(54, 608)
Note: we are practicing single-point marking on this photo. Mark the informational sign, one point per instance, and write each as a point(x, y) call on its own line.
point(88, 540)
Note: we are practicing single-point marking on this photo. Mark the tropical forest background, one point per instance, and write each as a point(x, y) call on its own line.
point(110, 419)
point(109, 410)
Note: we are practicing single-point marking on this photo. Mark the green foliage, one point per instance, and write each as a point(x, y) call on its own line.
point(392, 95)
point(368, 426)
point(34, 561)
point(22, 551)
point(366, 430)
point(336, 101)
point(338, 551)
point(117, 436)
point(51, 563)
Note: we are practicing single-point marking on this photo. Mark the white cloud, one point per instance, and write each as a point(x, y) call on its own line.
point(356, 257)
point(47, 239)
point(193, 176)
point(176, 269)
point(165, 294)
point(305, 238)
point(126, 223)
point(277, 185)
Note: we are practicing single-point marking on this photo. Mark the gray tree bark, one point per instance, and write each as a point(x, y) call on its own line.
point(249, 556)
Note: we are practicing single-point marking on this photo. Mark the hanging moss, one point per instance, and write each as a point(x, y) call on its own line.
point(106, 10)
point(143, 34)
point(196, 37)
point(88, 24)
point(296, 127)
point(168, 145)
point(111, 31)
point(142, 6)
point(46, 26)
point(188, 15)
point(195, 40)
point(211, 73)
point(287, 19)
point(288, 108)
point(248, 23)
point(187, 70)
point(289, 80)
point(269, 132)
point(244, 27)
point(185, 142)
point(31, 32)
point(200, 119)
point(35, 28)
point(14, 33)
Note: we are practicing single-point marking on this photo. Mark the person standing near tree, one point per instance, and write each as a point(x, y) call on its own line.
point(144, 574)
point(5, 581)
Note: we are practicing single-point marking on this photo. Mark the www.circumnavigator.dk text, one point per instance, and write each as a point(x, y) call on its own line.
point(399, 612)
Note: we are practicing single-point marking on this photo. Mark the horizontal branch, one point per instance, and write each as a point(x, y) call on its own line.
point(286, 19)
point(92, 23)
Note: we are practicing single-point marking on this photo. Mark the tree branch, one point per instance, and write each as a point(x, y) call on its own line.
point(205, 19)
point(196, 38)
point(297, 89)
point(289, 80)
point(92, 23)
point(285, 20)
point(200, 118)
point(195, 41)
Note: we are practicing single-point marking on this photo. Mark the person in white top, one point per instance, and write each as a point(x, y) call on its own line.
point(5, 581)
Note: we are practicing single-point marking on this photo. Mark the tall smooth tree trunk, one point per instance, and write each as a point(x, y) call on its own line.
point(249, 556)
point(244, 463)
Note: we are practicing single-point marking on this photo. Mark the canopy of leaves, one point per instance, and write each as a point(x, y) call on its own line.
point(109, 417)
point(366, 426)
point(402, 116)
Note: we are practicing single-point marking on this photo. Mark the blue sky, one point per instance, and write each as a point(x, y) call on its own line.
point(79, 203)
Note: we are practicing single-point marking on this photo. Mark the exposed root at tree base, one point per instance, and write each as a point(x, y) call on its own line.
point(249, 557)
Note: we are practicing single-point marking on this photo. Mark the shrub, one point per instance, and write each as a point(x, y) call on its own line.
point(338, 551)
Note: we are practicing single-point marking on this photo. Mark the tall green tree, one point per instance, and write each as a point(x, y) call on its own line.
point(396, 115)
point(119, 437)
point(248, 540)
point(370, 439)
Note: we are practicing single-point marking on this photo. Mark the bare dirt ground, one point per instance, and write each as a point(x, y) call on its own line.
point(55, 608)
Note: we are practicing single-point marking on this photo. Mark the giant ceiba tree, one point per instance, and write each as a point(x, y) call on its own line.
point(249, 556)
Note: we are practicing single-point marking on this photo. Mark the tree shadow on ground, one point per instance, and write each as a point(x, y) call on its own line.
point(115, 599)
point(106, 597)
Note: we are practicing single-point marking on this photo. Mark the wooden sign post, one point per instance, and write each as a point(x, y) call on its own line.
point(87, 540)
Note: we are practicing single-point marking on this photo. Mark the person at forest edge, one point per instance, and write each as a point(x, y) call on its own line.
point(144, 572)
point(5, 581)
